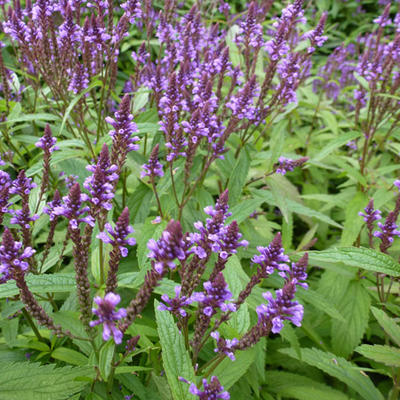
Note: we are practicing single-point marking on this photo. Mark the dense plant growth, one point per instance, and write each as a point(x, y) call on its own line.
point(199, 200)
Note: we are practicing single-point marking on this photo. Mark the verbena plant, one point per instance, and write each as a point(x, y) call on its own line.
point(184, 120)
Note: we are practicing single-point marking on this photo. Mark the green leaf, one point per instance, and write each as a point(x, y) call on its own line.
point(352, 224)
point(330, 121)
point(31, 117)
point(128, 369)
point(354, 305)
point(309, 212)
point(69, 356)
point(276, 142)
point(229, 372)
point(358, 257)
point(238, 176)
point(339, 368)
point(301, 387)
point(336, 143)
point(388, 324)
point(62, 282)
point(32, 381)
point(387, 355)
point(319, 302)
point(105, 359)
point(174, 354)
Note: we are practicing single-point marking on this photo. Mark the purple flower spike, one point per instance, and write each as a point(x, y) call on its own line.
point(101, 183)
point(51, 205)
point(153, 168)
point(280, 308)
point(11, 257)
point(215, 297)
point(22, 185)
point(170, 247)
point(176, 304)
point(107, 316)
point(212, 390)
point(23, 218)
point(71, 209)
point(370, 215)
point(124, 128)
point(226, 346)
point(316, 36)
point(242, 105)
point(272, 257)
point(118, 237)
point(47, 142)
point(286, 164)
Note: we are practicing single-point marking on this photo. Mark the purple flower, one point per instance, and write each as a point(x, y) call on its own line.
point(250, 32)
point(22, 217)
point(153, 168)
point(22, 185)
point(212, 390)
point(214, 235)
point(133, 10)
point(71, 209)
point(214, 297)
point(384, 20)
point(279, 309)
point(79, 80)
point(226, 346)
point(168, 248)
point(370, 215)
point(118, 237)
point(101, 184)
point(47, 142)
point(242, 105)
point(286, 164)
point(51, 205)
point(316, 36)
point(12, 256)
point(283, 307)
point(388, 230)
point(107, 316)
point(176, 304)
point(272, 257)
point(124, 128)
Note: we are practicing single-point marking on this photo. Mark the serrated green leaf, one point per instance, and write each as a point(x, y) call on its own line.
point(277, 141)
point(240, 320)
point(229, 372)
point(106, 356)
point(25, 380)
point(388, 324)
point(319, 302)
point(301, 387)
point(238, 176)
point(335, 144)
point(354, 304)
point(339, 368)
point(358, 257)
point(352, 225)
point(174, 354)
point(387, 355)
point(62, 282)
point(69, 356)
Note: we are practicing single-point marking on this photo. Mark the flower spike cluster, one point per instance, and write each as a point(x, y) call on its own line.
point(107, 316)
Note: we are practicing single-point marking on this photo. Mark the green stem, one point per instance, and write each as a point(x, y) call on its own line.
point(32, 325)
